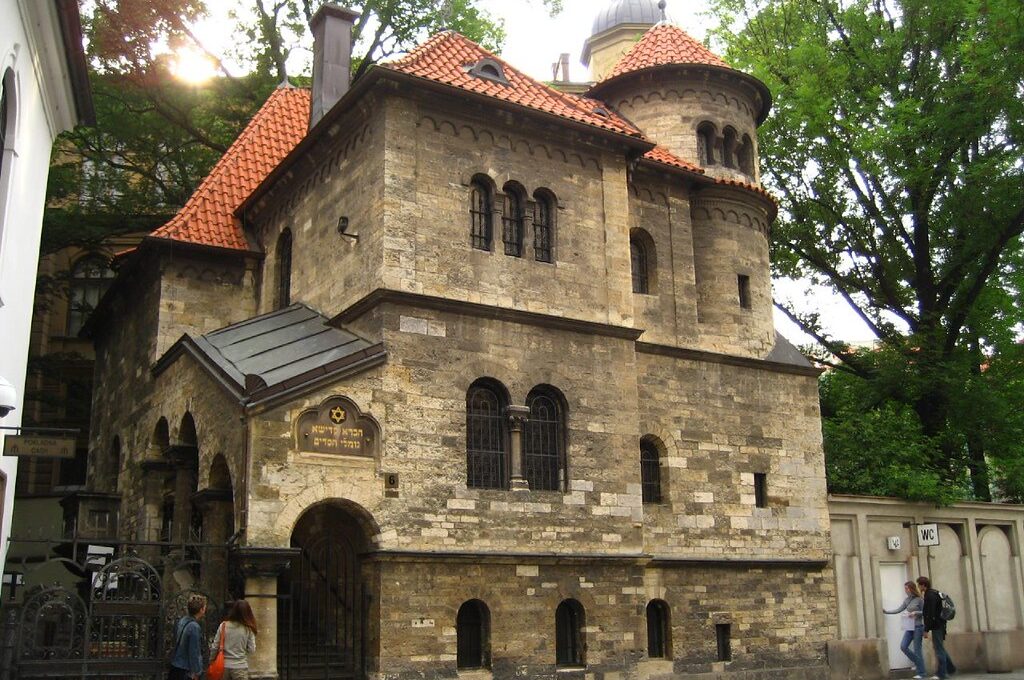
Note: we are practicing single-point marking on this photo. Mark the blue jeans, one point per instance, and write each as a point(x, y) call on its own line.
point(946, 665)
point(914, 653)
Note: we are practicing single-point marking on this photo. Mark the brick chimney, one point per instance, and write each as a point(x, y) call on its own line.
point(332, 58)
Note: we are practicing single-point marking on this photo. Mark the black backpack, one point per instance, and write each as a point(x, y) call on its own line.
point(948, 611)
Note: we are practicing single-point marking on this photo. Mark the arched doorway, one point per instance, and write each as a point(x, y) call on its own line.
point(323, 613)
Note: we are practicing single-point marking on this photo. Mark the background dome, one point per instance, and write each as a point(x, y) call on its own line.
point(621, 12)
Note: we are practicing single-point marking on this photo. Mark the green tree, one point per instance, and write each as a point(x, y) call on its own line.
point(896, 147)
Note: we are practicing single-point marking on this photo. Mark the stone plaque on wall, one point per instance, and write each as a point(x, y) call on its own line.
point(336, 427)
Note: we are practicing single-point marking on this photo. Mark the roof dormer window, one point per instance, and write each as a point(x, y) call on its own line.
point(489, 69)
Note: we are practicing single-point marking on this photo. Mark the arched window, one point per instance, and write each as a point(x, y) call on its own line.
point(641, 261)
point(729, 148)
point(284, 269)
point(472, 629)
point(544, 440)
point(486, 436)
point(513, 219)
point(544, 226)
point(706, 144)
point(746, 156)
point(650, 470)
point(659, 630)
point(481, 214)
point(114, 463)
point(570, 644)
point(90, 278)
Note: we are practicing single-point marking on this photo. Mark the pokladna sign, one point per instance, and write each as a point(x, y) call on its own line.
point(28, 446)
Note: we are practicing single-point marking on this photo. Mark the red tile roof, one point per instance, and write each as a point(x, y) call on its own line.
point(663, 156)
point(208, 216)
point(448, 57)
point(663, 45)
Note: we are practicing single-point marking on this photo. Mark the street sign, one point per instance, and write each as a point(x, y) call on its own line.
point(28, 446)
point(927, 535)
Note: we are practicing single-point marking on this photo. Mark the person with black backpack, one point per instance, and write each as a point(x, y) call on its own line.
point(938, 609)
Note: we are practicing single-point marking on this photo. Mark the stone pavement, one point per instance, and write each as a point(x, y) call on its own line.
point(1016, 675)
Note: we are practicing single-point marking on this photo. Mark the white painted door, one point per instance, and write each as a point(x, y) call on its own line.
point(891, 578)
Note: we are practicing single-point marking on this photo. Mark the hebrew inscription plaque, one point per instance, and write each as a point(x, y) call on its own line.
point(336, 427)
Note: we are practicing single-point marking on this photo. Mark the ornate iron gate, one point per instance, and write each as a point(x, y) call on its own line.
point(115, 622)
point(322, 614)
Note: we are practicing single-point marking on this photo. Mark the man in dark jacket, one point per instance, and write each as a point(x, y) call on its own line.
point(936, 626)
point(187, 658)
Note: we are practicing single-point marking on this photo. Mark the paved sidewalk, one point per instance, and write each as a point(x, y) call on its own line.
point(1016, 675)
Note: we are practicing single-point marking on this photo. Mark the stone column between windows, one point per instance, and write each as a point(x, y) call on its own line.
point(517, 417)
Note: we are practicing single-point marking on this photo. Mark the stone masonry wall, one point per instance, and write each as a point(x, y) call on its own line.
point(780, 618)
point(718, 425)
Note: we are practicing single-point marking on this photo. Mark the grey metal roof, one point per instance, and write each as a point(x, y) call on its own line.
point(620, 12)
point(785, 353)
point(281, 348)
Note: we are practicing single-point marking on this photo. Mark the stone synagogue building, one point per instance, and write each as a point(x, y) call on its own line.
point(479, 376)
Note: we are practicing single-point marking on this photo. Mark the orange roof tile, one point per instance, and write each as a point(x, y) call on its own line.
point(448, 57)
point(663, 45)
point(663, 156)
point(208, 216)
point(761, 191)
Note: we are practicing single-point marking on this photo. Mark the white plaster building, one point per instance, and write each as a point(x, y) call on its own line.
point(44, 92)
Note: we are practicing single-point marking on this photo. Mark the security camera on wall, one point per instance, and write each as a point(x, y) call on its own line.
point(8, 397)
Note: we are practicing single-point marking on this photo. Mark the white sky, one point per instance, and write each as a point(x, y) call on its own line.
point(534, 41)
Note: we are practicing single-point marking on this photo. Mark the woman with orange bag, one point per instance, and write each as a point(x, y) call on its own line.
point(237, 637)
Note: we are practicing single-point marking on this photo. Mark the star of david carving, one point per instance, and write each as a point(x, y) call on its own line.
point(338, 415)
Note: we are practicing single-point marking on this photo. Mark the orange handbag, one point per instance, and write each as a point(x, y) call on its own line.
point(216, 669)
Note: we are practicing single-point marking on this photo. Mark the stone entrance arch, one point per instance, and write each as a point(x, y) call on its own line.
point(324, 594)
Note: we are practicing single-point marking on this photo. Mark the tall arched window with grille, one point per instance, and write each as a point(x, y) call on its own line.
point(641, 261)
point(544, 440)
point(473, 632)
point(544, 225)
point(513, 219)
point(570, 643)
point(706, 144)
point(650, 470)
point(90, 278)
point(284, 269)
point(481, 213)
point(729, 148)
point(659, 630)
point(486, 436)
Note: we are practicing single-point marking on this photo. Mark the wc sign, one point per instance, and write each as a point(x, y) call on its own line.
point(927, 535)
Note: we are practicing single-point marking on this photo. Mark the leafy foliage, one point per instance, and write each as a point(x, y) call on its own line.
point(896, 145)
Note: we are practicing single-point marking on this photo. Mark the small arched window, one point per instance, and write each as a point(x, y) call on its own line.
point(729, 148)
point(746, 156)
point(114, 463)
point(544, 440)
point(90, 278)
point(481, 214)
point(284, 269)
point(544, 226)
point(659, 636)
point(513, 219)
point(641, 261)
point(472, 630)
point(650, 470)
point(706, 144)
point(570, 643)
point(486, 436)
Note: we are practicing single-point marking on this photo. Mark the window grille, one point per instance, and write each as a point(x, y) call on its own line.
point(90, 279)
point(284, 269)
point(481, 215)
point(543, 228)
point(760, 490)
point(543, 442)
point(706, 144)
point(658, 630)
point(486, 440)
point(650, 471)
point(512, 221)
point(638, 264)
point(472, 633)
point(570, 645)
